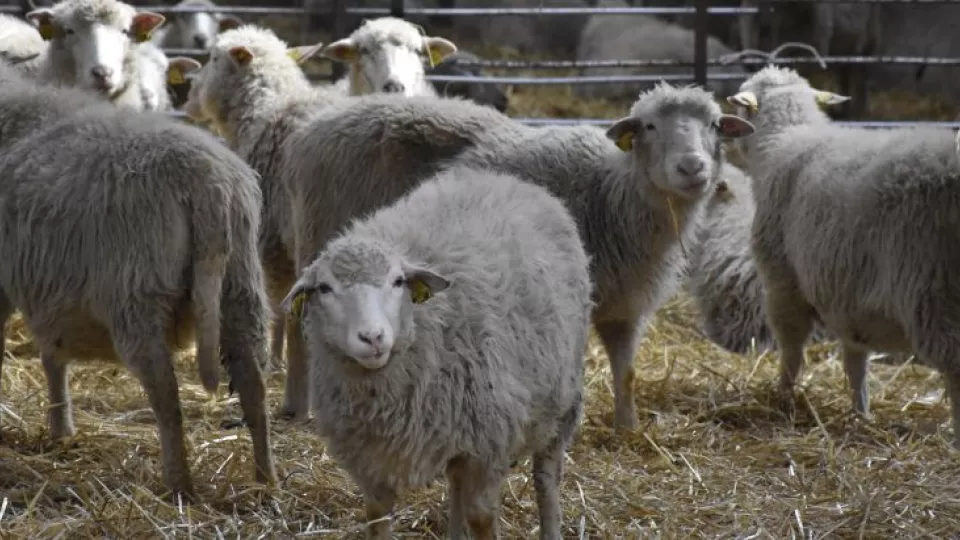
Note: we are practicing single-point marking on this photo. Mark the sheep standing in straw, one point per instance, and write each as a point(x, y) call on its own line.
point(854, 228)
point(447, 333)
point(91, 286)
point(388, 55)
point(636, 190)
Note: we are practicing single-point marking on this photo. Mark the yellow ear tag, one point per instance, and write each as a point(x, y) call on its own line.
point(297, 309)
point(625, 141)
point(46, 31)
point(175, 76)
point(295, 54)
point(419, 291)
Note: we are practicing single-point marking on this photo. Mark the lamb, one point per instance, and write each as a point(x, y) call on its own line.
point(93, 44)
point(642, 37)
point(255, 94)
point(484, 94)
point(193, 29)
point(388, 55)
point(90, 286)
point(888, 202)
point(624, 196)
point(451, 350)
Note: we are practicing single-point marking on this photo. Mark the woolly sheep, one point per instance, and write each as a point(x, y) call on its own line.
point(388, 55)
point(644, 37)
point(93, 44)
point(836, 204)
point(621, 199)
point(484, 94)
point(21, 44)
point(90, 286)
point(255, 94)
point(554, 35)
point(156, 72)
point(193, 30)
point(447, 334)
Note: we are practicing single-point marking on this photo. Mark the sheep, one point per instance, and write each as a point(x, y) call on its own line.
point(89, 286)
point(554, 35)
point(20, 43)
point(255, 94)
point(193, 29)
point(156, 72)
point(644, 37)
point(93, 44)
point(624, 196)
point(446, 334)
point(388, 55)
point(836, 204)
point(484, 94)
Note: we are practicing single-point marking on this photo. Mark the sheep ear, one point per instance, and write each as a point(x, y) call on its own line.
point(734, 127)
point(343, 50)
point(304, 52)
point(179, 67)
point(826, 99)
point(423, 283)
point(744, 99)
point(228, 22)
point(144, 23)
point(45, 23)
point(241, 55)
point(438, 48)
point(293, 302)
point(623, 131)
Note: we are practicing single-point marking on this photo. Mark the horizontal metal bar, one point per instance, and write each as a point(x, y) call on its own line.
point(239, 10)
point(594, 79)
point(664, 62)
point(868, 124)
point(475, 12)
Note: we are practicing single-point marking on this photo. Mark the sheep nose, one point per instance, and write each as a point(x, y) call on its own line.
point(371, 337)
point(691, 166)
point(101, 73)
point(200, 41)
point(393, 87)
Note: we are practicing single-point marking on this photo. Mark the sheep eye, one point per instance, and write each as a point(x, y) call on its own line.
point(398, 282)
point(323, 288)
point(650, 127)
point(68, 31)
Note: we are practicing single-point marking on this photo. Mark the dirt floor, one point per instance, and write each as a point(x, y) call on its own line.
point(713, 457)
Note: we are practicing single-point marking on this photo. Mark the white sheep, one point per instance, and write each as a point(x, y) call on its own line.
point(388, 55)
point(446, 334)
point(21, 44)
point(195, 29)
point(133, 234)
point(854, 228)
point(156, 72)
point(636, 200)
point(255, 94)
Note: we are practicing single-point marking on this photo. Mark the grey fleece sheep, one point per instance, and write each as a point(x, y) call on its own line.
point(447, 334)
point(668, 158)
point(94, 44)
point(854, 228)
point(255, 94)
point(91, 286)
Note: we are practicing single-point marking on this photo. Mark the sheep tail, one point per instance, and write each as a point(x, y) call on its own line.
point(208, 277)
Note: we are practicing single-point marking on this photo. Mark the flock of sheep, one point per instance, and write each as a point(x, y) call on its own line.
point(431, 265)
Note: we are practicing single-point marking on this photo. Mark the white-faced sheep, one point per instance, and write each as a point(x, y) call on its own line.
point(255, 94)
point(90, 286)
point(193, 29)
point(388, 55)
point(447, 334)
point(94, 44)
point(634, 204)
point(854, 228)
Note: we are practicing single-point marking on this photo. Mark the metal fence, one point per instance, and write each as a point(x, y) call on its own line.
point(701, 9)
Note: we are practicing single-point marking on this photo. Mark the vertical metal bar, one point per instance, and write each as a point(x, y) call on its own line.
point(339, 31)
point(700, 42)
point(396, 8)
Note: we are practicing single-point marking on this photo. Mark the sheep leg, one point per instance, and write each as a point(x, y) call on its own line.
point(620, 340)
point(6, 309)
point(953, 392)
point(791, 324)
point(60, 415)
point(547, 474)
point(149, 358)
point(481, 501)
point(296, 392)
point(277, 326)
point(378, 500)
point(855, 365)
point(456, 490)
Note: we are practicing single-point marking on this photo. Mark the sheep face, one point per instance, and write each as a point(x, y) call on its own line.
point(356, 301)
point(198, 29)
point(94, 39)
point(388, 55)
point(674, 139)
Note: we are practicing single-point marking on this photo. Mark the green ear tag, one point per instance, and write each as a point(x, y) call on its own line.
point(297, 309)
point(625, 141)
point(419, 291)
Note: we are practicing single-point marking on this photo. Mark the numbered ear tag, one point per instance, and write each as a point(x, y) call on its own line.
point(419, 291)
